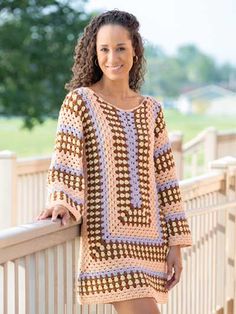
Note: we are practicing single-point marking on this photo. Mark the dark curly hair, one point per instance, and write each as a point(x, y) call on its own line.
point(85, 71)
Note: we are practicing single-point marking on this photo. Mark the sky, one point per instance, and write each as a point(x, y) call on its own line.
point(209, 24)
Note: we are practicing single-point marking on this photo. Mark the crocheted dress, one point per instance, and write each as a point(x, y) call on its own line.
point(114, 170)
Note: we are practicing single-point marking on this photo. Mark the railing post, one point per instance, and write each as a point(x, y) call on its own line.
point(227, 225)
point(8, 192)
point(210, 146)
point(177, 147)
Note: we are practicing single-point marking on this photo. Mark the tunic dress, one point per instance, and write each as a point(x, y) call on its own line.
point(114, 170)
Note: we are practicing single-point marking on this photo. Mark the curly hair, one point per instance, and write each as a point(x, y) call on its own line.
point(85, 71)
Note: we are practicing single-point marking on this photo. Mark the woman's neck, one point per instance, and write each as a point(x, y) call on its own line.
point(119, 89)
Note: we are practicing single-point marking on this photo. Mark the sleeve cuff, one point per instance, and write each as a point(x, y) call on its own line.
point(184, 240)
point(179, 232)
point(74, 213)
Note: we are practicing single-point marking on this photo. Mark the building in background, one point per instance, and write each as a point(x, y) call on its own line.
point(210, 100)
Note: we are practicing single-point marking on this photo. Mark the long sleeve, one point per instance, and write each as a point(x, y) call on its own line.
point(169, 194)
point(65, 177)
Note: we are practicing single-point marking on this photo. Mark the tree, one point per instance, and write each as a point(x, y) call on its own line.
point(168, 76)
point(37, 39)
point(199, 67)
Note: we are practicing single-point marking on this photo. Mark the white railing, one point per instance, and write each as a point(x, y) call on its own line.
point(23, 180)
point(207, 146)
point(37, 268)
point(38, 262)
point(23, 188)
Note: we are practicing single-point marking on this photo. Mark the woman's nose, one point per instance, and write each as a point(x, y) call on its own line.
point(112, 57)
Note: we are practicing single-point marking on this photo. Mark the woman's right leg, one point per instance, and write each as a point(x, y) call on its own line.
point(137, 306)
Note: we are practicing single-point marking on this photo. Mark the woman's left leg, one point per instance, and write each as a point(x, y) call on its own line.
point(137, 306)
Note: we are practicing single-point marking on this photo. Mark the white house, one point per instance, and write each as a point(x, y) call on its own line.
point(210, 100)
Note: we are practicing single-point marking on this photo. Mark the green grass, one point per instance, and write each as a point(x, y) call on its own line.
point(37, 142)
point(192, 125)
point(40, 141)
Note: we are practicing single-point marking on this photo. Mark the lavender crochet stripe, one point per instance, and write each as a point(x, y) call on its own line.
point(70, 129)
point(173, 216)
point(160, 150)
point(167, 185)
point(121, 271)
point(128, 123)
point(69, 170)
point(156, 108)
point(76, 200)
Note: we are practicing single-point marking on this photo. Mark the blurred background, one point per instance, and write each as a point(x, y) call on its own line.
point(189, 48)
point(191, 68)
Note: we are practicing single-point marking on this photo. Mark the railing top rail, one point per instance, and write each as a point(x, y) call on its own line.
point(202, 184)
point(30, 231)
point(32, 165)
point(195, 142)
point(26, 239)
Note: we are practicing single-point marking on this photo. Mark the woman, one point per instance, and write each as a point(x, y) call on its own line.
point(113, 169)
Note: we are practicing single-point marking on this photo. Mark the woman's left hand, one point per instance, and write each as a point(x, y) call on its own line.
point(174, 260)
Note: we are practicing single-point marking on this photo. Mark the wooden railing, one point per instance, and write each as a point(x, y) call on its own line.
point(23, 188)
point(38, 261)
point(23, 180)
point(37, 268)
point(207, 146)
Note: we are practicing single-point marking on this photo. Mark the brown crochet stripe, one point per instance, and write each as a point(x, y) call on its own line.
point(178, 227)
point(69, 144)
point(76, 182)
point(58, 195)
point(119, 282)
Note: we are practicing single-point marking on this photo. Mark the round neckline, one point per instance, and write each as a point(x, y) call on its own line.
point(113, 106)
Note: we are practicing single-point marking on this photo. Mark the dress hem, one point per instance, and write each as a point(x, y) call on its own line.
point(160, 298)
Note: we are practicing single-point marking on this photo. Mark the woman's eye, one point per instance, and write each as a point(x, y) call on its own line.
point(105, 49)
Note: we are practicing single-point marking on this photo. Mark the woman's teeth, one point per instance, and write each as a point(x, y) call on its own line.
point(116, 67)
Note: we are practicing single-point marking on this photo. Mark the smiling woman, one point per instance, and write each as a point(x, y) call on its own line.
point(113, 39)
point(117, 57)
point(113, 168)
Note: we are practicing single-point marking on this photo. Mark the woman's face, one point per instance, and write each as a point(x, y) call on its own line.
point(114, 51)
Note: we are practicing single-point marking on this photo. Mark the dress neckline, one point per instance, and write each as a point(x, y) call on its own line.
point(145, 97)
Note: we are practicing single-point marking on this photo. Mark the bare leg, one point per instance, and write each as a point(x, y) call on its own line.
point(137, 306)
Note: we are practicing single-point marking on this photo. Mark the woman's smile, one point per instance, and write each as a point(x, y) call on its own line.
point(115, 68)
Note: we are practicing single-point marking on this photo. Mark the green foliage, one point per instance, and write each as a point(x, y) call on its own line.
point(167, 76)
point(37, 39)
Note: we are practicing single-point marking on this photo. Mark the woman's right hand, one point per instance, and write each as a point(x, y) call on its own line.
point(57, 210)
